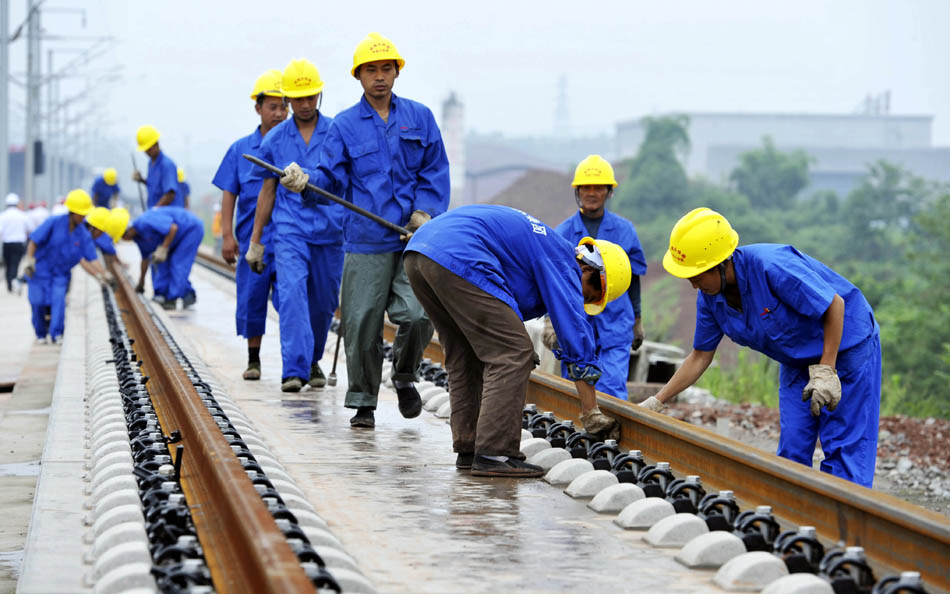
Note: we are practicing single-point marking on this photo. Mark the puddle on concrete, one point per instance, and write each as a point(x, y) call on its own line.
point(12, 561)
point(32, 411)
point(20, 469)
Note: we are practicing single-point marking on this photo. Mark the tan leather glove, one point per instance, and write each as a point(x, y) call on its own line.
point(294, 179)
point(255, 257)
point(418, 219)
point(599, 424)
point(548, 336)
point(29, 266)
point(653, 404)
point(109, 279)
point(637, 333)
point(824, 388)
point(160, 254)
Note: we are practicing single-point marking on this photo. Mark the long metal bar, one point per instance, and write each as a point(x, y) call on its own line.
point(245, 550)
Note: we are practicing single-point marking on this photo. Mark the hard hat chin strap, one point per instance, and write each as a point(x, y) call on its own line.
point(722, 276)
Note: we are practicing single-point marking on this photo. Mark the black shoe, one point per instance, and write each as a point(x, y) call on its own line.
point(188, 300)
point(364, 417)
point(317, 379)
point(464, 461)
point(410, 404)
point(512, 468)
point(170, 304)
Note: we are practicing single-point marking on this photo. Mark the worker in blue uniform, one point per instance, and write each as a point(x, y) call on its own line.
point(184, 190)
point(480, 272)
point(620, 326)
point(171, 234)
point(385, 154)
point(102, 218)
point(105, 188)
point(308, 237)
point(794, 309)
point(240, 184)
point(53, 249)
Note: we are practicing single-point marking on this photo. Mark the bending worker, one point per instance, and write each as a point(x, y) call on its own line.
point(308, 237)
point(169, 234)
point(796, 310)
point(386, 155)
point(480, 271)
point(105, 188)
point(240, 184)
point(56, 246)
point(112, 223)
point(184, 189)
point(620, 326)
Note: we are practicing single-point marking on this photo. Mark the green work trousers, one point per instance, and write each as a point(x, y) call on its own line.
point(374, 284)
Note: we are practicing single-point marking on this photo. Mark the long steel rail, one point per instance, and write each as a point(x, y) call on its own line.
point(245, 550)
point(896, 535)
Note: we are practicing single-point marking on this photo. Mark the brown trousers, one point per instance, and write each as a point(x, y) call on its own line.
point(488, 356)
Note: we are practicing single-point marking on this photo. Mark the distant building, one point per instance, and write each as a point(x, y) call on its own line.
point(842, 144)
point(453, 135)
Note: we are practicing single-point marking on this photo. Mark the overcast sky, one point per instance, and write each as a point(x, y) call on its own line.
point(188, 66)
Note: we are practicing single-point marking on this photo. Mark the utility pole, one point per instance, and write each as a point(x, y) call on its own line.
point(32, 98)
point(4, 97)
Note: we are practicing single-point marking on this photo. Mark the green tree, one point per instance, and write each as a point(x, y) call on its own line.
point(769, 177)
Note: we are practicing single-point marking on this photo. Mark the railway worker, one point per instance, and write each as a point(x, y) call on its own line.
point(184, 189)
point(38, 213)
point(15, 227)
point(620, 326)
point(386, 155)
point(105, 188)
point(162, 181)
point(240, 183)
point(307, 238)
point(53, 249)
point(480, 271)
point(169, 234)
point(796, 310)
point(112, 223)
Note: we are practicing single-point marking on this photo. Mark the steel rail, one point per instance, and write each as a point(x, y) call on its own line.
point(245, 550)
point(896, 535)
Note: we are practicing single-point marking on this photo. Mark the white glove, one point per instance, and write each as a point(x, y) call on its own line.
point(824, 388)
point(160, 254)
point(597, 423)
point(294, 179)
point(652, 403)
point(255, 257)
point(29, 266)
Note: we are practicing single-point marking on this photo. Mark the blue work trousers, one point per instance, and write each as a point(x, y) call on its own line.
point(180, 260)
point(48, 295)
point(160, 278)
point(614, 364)
point(309, 287)
point(253, 291)
point(849, 433)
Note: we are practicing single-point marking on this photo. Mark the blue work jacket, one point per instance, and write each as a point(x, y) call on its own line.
point(153, 225)
point(388, 168)
point(162, 179)
point(58, 249)
point(102, 192)
point(318, 224)
point(784, 295)
point(243, 179)
point(105, 243)
point(184, 190)
point(613, 326)
point(518, 259)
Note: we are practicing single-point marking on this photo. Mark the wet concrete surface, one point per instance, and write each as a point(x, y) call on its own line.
point(395, 499)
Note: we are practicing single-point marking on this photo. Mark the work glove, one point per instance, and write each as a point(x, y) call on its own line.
point(29, 266)
point(654, 404)
point(107, 278)
point(418, 219)
point(255, 257)
point(160, 254)
point(548, 336)
point(824, 388)
point(136, 176)
point(598, 424)
point(637, 333)
point(294, 179)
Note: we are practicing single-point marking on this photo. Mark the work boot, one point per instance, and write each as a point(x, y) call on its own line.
point(410, 403)
point(317, 379)
point(291, 384)
point(159, 299)
point(253, 371)
point(40, 341)
point(464, 460)
point(364, 417)
point(170, 304)
point(511, 468)
point(188, 300)
point(56, 340)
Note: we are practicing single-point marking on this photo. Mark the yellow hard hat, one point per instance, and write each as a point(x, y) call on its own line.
point(375, 47)
point(614, 266)
point(98, 217)
point(700, 240)
point(78, 202)
point(181, 175)
point(146, 137)
point(301, 79)
point(594, 171)
point(118, 221)
point(268, 84)
point(110, 176)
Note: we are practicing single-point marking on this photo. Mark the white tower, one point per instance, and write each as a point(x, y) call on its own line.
point(453, 135)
